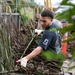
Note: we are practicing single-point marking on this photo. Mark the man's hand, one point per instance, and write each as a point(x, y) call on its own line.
point(22, 61)
point(38, 31)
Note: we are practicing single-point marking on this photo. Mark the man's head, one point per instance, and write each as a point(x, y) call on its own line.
point(46, 18)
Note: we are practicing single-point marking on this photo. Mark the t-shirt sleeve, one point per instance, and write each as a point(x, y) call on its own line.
point(46, 40)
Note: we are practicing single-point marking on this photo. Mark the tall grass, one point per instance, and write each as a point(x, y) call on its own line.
point(6, 54)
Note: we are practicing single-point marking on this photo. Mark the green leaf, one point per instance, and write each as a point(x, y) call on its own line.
point(52, 55)
point(64, 2)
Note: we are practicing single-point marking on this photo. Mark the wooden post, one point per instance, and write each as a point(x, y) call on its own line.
point(48, 4)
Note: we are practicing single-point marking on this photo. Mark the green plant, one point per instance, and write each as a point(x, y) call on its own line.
point(67, 15)
point(6, 54)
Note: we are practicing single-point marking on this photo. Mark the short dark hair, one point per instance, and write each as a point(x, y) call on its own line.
point(47, 13)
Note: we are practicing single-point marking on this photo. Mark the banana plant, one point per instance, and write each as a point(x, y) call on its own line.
point(67, 15)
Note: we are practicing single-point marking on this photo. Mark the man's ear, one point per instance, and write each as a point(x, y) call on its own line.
point(51, 19)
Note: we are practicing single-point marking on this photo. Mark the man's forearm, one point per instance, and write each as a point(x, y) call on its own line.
point(34, 53)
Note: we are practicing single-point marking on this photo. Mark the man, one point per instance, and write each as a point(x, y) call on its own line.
point(49, 38)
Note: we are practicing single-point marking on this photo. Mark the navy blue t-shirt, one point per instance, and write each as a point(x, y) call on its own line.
point(48, 39)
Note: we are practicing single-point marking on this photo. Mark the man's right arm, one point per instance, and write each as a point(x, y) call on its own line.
point(35, 52)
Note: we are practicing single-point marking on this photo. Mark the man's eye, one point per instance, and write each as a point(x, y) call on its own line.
point(43, 21)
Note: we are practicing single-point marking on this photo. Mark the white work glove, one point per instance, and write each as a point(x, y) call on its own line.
point(38, 31)
point(23, 61)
